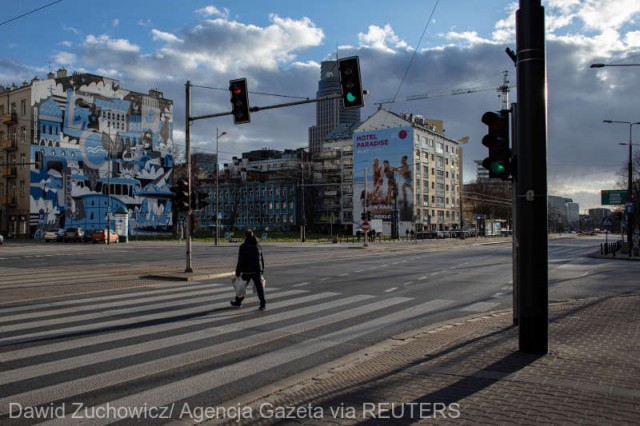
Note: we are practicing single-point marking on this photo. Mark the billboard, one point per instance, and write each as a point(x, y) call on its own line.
point(383, 175)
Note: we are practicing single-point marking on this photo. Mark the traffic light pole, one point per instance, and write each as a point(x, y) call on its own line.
point(188, 267)
point(188, 121)
point(532, 256)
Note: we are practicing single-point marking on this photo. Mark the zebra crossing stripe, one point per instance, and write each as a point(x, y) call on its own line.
point(36, 370)
point(30, 317)
point(112, 377)
point(185, 388)
point(151, 329)
point(96, 326)
point(72, 302)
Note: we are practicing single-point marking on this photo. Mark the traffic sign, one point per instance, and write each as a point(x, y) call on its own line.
point(613, 197)
point(365, 226)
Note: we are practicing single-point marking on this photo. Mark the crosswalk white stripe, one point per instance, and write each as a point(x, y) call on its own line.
point(152, 329)
point(96, 314)
point(33, 316)
point(70, 302)
point(87, 384)
point(185, 388)
point(163, 343)
point(38, 335)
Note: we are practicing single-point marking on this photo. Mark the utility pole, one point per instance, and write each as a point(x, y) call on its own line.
point(188, 268)
point(218, 135)
point(531, 121)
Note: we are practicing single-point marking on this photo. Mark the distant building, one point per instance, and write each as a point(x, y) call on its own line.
point(598, 215)
point(263, 190)
point(76, 147)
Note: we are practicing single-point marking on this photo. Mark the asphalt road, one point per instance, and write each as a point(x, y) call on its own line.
point(179, 345)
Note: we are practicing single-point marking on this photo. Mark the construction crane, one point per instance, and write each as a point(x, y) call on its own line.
point(504, 89)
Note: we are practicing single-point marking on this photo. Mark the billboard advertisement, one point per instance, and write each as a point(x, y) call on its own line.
point(383, 176)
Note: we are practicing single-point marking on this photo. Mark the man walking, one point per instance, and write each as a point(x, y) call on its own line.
point(250, 267)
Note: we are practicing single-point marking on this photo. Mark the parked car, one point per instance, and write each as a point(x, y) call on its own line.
point(73, 234)
point(100, 236)
point(88, 236)
point(53, 234)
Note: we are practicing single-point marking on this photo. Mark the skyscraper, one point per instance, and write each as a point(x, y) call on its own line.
point(330, 113)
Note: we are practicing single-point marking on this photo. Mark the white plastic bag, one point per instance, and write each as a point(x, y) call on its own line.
point(239, 286)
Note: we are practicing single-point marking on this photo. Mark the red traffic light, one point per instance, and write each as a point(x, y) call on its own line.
point(239, 101)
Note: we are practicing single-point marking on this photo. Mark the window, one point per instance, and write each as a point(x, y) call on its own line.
point(23, 107)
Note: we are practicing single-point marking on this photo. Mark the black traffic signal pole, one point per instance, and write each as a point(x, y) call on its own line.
point(531, 206)
point(189, 120)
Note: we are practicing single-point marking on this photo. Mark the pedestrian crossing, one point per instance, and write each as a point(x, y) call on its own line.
point(171, 344)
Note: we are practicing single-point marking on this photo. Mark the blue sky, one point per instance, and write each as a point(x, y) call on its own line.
point(278, 47)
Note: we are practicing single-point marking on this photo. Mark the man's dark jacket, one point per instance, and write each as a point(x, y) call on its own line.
point(249, 257)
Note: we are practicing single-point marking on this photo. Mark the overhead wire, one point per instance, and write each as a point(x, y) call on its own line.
point(15, 18)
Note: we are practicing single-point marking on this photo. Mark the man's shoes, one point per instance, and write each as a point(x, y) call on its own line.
point(262, 308)
point(235, 303)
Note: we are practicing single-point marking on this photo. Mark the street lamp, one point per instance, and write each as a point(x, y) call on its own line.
point(218, 136)
point(630, 180)
point(613, 65)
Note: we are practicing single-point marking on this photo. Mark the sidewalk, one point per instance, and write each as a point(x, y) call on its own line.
point(470, 372)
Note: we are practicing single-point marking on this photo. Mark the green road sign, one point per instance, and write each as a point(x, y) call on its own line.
point(613, 197)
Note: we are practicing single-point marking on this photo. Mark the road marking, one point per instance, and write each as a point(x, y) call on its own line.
point(224, 375)
point(407, 283)
point(185, 388)
point(480, 307)
point(301, 284)
point(422, 278)
point(389, 290)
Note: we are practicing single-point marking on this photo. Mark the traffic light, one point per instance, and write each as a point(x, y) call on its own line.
point(181, 195)
point(239, 101)
point(497, 140)
point(363, 216)
point(350, 82)
point(369, 216)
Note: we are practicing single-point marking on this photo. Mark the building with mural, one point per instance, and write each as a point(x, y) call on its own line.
point(78, 150)
point(406, 173)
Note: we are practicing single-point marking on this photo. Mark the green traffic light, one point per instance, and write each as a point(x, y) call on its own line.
point(350, 97)
point(498, 168)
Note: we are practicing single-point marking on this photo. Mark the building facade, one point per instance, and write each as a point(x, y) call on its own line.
point(264, 190)
point(406, 173)
point(79, 148)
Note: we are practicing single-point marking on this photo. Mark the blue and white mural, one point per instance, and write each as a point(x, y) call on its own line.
point(98, 148)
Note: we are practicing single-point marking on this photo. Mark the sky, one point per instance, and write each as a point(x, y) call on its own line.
point(435, 47)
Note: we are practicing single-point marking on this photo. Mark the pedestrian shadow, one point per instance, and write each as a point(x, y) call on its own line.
point(376, 389)
point(442, 402)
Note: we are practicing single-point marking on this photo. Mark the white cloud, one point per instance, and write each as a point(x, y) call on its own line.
point(381, 38)
point(65, 58)
point(213, 11)
point(105, 41)
point(164, 36)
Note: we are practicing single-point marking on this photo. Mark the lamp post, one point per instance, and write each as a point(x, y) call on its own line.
point(218, 136)
point(613, 65)
point(630, 223)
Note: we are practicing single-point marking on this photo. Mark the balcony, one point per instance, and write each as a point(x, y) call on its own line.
point(9, 201)
point(9, 118)
point(10, 172)
point(9, 145)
